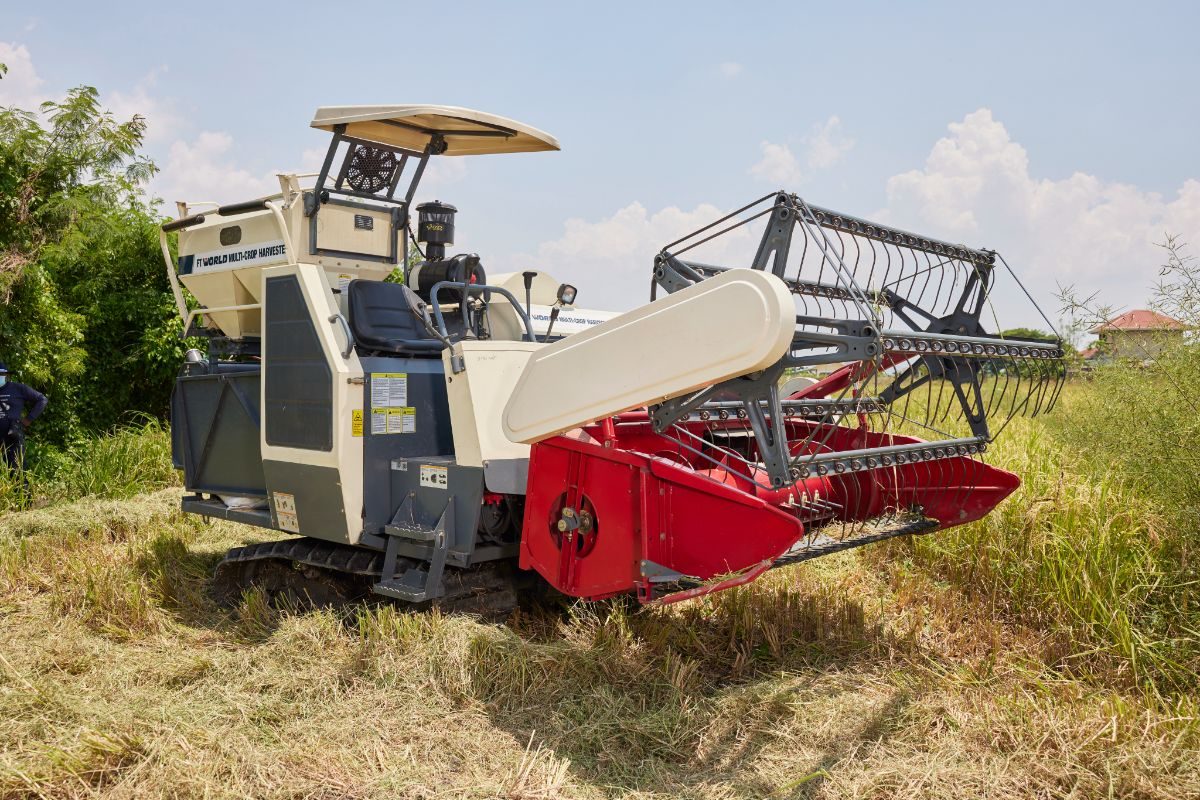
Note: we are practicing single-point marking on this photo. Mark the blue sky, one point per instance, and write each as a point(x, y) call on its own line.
point(1060, 133)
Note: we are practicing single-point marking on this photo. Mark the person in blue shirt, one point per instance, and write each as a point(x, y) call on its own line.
point(19, 407)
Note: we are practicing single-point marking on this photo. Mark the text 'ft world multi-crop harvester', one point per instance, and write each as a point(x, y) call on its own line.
point(828, 385)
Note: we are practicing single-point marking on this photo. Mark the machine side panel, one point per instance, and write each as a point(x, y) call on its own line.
point(214, 431)
point(311, 380)
point(477, 396)
point(422, 430)
point(357, 230)
point(298, 391)
point(306, 499)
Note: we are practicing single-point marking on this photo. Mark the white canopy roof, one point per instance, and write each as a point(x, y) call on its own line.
point(467, 132)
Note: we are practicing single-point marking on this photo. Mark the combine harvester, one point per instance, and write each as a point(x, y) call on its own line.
point(425, 439)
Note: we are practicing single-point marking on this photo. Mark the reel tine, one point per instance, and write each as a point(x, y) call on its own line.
point(906, 311)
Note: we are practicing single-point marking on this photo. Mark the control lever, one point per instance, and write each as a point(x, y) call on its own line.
point(529, 276)
point(421, 310)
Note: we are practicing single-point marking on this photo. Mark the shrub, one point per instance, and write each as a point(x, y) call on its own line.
point(121, 463)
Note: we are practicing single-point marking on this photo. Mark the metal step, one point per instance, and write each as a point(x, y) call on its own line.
point(259, 517)
point(404, 525)
point(415, 583)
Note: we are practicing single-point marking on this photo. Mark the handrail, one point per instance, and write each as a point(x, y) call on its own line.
point(173, 278)
point(349, 348)
point(289, 247)
point(471, 288)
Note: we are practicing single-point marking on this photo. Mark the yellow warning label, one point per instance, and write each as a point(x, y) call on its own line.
point(393, 420)
point(356, 422)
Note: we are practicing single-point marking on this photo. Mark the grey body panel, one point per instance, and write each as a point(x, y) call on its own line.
point(432, 437)
point(420, 507)
point(506, 475)
point(214, 429)
point(318, 495)
point(396, 504)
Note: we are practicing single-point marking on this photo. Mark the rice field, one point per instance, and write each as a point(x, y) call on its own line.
point(1049, 650)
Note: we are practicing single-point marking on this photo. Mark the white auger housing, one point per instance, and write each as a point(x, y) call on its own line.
point(222, 258)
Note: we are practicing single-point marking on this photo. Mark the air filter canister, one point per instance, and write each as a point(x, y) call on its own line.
point(435, 227)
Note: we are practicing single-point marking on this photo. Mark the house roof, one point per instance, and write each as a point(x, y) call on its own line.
point(1140, 319)
point(1089, 353)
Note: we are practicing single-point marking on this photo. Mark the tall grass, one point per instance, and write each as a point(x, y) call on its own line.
point(121, 463)
point(888, 672)
point(1097, 549)
point(121, 678)
point(1142, 422)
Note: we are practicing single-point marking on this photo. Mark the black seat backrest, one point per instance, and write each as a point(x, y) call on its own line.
point(381, 321)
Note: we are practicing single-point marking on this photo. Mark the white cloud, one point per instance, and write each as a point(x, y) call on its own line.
point(203, 169)
point(976, 186)
point(20, 86)
point(162, 119)
point(778, 165)
point(823, 148)
point(827, 144)
point(730, 69)
point(24, 88)
point(439, 172)
point(611, 260)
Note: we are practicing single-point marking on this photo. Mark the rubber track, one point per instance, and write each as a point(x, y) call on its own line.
point(314, 552)
point(491, 589)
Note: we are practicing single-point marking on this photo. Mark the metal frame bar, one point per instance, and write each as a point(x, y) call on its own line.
point(498, 131)
point(474, 288)
point(947, 345)
point(321, 194)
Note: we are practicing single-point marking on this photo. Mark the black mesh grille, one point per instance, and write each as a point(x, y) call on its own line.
point(299, 384)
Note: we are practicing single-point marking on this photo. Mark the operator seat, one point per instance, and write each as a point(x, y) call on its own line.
point(382, 322)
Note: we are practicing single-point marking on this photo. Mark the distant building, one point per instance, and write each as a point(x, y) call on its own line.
point(1139, 335)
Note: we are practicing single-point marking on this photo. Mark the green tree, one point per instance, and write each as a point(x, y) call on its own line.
point(85, 308)
point(1026, 333)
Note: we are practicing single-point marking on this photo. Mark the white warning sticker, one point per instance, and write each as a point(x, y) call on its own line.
point(402, 420)
point(285, 511)
point(389, 389)
point(393, 420)
point(435, 477)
